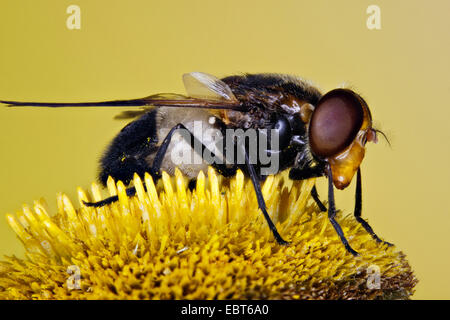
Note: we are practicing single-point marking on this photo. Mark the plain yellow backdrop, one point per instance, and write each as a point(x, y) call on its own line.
point(130, 49)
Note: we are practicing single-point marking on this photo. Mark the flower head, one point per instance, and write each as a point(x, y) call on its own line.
point(168, 242)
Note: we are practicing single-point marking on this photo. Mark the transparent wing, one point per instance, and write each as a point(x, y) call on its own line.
point(201, 85)
point(203, 91)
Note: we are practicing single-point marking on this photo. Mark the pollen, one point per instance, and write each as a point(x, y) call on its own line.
point(168, 242)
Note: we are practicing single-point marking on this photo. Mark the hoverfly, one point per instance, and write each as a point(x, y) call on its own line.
point(318, 135)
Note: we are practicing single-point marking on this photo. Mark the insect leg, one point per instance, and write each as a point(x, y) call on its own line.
point(157, 162)
point(260, 198)
point(216, 164)
point(357, 213)
point(315, 196)
point(130, 192)
point(302, 174)
point(332, 215)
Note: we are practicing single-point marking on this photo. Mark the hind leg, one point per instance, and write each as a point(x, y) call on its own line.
point(154, 170)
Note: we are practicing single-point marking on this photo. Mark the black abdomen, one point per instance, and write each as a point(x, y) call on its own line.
point(127, 152)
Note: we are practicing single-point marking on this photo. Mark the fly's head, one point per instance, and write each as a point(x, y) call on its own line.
point(339, 128)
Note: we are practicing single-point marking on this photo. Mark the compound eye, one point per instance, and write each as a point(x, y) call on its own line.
point(283, 132)
point(335, 122)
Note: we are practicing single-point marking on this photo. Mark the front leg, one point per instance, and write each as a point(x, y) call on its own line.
point(301, 174)
point(358, 206)
point(332, 215)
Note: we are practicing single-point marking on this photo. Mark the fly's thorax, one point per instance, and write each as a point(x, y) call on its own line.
point(267, 148)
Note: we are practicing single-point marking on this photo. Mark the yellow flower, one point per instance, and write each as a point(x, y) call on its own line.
point(212, 243)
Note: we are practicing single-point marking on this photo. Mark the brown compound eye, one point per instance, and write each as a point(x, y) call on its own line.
point(335, 122)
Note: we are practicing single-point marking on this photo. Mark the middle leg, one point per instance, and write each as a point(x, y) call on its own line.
point(308, 173)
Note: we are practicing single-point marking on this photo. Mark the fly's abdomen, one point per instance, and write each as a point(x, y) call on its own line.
point(128, 151)
point(183, 151)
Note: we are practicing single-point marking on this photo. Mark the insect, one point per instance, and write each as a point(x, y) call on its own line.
point(317, 135)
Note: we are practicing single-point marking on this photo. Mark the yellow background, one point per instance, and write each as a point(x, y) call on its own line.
point(129, 49)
